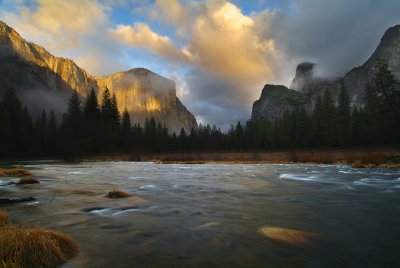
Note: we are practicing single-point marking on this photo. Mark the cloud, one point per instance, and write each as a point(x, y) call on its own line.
point(337, 35)
point(224, 42)
point(140, 35)
point(171, 11)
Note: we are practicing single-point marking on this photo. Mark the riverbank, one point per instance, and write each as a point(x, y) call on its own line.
point(360, 157)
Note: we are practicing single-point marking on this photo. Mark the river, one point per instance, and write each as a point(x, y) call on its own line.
point(210, 215)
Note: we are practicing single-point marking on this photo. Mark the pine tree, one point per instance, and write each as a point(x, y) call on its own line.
point(70, 141)
point(92, 125)
point(328, 130)
point(386, 91)
point(52, 133)
point(126, 132)
point(91, 108)
point(318, 123)
point(344, 118)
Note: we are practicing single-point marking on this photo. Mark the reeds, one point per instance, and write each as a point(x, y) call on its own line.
point(34, 247)
point(4, 220)
point(14, 172)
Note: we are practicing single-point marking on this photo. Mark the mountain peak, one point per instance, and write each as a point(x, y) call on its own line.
point(44, 81)
point(304, 75)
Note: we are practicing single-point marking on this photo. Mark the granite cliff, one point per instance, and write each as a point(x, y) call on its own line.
point(306, 87)
point(44, 81)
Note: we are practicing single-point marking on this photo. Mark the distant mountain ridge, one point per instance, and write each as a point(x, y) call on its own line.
point(44, 81)
point(306, 87)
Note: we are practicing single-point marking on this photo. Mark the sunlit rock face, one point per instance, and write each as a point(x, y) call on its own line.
point(143, 93)
point(274, 101)
point(43, 81)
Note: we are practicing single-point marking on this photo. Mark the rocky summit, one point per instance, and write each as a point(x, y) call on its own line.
point(306, 87)
point(43, 81)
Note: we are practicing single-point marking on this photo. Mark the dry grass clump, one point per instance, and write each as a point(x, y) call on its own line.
point(289, 236)
point(14, 172)
point(359, 164)
point(117, 194)
point(27, 180)
point(4, 220)
point(35, 247)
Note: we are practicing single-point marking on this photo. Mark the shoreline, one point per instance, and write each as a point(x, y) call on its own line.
point(358, 157)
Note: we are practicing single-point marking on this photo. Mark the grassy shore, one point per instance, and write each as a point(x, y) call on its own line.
point(367, 157)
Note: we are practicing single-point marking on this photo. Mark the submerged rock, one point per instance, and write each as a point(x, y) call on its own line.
point(208, 225)
point(8, 201)
point(117, 194)
point(28, 180)
point(289, 236)
point(35, 247)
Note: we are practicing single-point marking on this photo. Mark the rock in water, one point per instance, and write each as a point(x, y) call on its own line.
point(48, 82)
point(117, 194)
point(28, 180)
point(289, 236)
point(8, 201)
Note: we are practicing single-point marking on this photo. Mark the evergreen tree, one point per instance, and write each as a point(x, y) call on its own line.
point(110, 121)
point(318, 123)
point(344, 118)
point(51, 133)
point(385, 89)
point(126, 132)
point(41, 133)
point(328, 131)
point(92, 125)
point(91, 108)
point(182, 139)
point(70, 142)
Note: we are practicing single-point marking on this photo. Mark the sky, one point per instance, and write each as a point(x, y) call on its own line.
point(220, 53)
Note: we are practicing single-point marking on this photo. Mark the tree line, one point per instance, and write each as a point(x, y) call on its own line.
point(89, 127)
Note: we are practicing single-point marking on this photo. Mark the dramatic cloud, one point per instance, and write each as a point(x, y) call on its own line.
point(337, 35)
point(224, 42)
point(141, 35)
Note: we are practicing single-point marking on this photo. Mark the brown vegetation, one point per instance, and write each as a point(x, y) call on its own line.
point(27, 180)
point(14, 172)
point(117, 194)
point(4, 220)
point(368, 156)
point(34, 247)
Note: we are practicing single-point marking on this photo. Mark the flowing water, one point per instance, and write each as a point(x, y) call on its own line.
point(210, 215)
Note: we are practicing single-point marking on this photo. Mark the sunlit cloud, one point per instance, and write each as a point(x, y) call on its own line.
point(140, 35)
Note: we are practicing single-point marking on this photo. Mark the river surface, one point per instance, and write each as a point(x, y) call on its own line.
point(210, 215)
